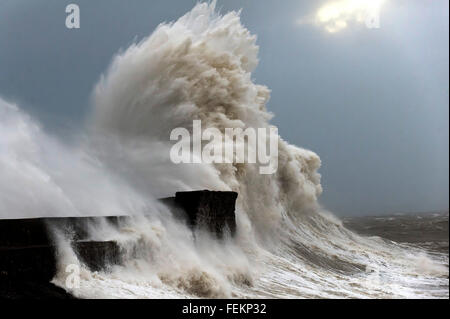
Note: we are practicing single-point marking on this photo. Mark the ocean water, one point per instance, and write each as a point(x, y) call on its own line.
point(427, 231)
point(286, 244)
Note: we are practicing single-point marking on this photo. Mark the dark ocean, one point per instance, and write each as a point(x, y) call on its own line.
point(425, 230)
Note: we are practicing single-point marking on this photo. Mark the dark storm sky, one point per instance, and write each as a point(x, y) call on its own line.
point(373, 103)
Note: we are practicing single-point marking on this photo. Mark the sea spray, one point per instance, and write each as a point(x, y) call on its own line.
point(196, 68)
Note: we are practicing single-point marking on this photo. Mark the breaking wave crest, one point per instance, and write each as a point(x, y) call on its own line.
point(286, 245)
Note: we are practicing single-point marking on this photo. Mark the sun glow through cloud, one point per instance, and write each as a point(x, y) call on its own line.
point(336, 15)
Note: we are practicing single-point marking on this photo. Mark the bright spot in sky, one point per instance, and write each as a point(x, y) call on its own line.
point(335, 15)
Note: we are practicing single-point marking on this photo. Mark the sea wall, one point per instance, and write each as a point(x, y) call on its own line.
point(212, 210)
point(28, 253)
